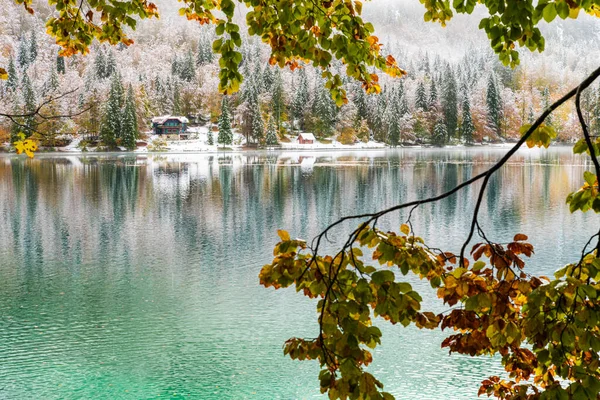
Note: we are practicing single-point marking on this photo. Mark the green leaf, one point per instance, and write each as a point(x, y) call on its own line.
point(382, 276)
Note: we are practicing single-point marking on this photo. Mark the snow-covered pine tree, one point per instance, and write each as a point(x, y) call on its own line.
point(450, 102)
point(394, 131)
point(360, 101)
point(271, 138)
point(100, 64)
point(545, 104)
point(111, 64)
point(433, 95)
point(493, 105)
point(278, 98)
point(33, 47)
point(129, 120)
point(467, 129)
point(300, 100)
point(176, 109)
point(420, 98)
point(225, 136)
point(23, 52)
point(258, 126)
point(60, 65)
point(211, 139)
point(30, 105)
point(111, 127)
point(267, 78)
point(438, 138)
point(188, 67)
point(13, 79)
point(52, 83)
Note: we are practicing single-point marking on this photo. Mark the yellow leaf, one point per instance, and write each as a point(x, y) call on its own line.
point(26, 146)
point(283, 235)
point(405, 229)
point(3, 74)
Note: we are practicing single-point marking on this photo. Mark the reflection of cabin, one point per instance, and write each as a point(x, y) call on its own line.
point(172, 126)
point(306, 138)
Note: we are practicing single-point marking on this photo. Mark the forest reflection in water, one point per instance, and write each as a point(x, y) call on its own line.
point(134, 276)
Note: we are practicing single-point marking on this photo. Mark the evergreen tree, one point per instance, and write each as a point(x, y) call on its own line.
point(23, 53)
point(205, 53)
point(271, 138)
point(258, 126)
point(467, 128)
point(439, 134)
point(129, 121)
point(188, 68)
point(30, 105)
point(13, 79)
point(211, 139)
point(111, 64)
point(112, 126)
point(33, 47)
point(100, 64)
point(493, 105)
point(225, 133)
point(300, 100)
point(324, 109)
point(595, 117)
point(268, 78)
point(433, 95)
point(360, 101)
point(278, 99)
point(176, 109)
point(394, 132)
point(545, 104)
point(60, 65)
point(450, 103)
point(421, 101)
point(379, 122)
point(52, 84)
point(175, 66)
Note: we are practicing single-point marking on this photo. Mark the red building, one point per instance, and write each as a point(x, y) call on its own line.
point(306, 138)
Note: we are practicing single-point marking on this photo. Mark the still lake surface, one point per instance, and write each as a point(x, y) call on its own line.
point(135, 276)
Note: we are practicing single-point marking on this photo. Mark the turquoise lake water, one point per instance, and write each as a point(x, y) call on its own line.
point(136, 276)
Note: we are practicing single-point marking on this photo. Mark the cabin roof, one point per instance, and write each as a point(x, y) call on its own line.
point(307, 136)
point(165, 118)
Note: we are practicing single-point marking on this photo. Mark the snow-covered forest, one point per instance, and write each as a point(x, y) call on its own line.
point(456, 90)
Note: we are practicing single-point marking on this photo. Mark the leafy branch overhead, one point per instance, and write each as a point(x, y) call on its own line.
point(545, 330)
point(309, 31)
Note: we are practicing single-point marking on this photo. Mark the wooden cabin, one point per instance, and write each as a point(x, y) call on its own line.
point(306, 138)
point(173, 127)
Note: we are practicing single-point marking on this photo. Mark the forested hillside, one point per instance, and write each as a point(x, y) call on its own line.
point(450, 95)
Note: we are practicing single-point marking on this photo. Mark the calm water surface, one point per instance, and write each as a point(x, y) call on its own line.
point(135, 277)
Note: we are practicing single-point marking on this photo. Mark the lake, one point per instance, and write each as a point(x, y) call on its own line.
point(136, 276)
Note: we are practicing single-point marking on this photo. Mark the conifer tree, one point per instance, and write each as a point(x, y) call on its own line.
point(23, 53)
point(112, 126)
point(258, 126)
point(421, 101)
point(100, 64)
point(60, 65)
point(433, 95)
point(111, 64)
point(545, 104)
point(267, 78)
point(129, 120)
point(278, 98)
point(225, 136)
point(450, 102)
point(300, 100)
point(33, 47)
point(52, 84)
point(467, 128)
point(211, 139)
point(493, 105)
point(30, 105)
point(440, 133)
point(394, 132)
point(360, 101)
point(187, 70)
point(379, 123)
point(271, 138)
point(13, 79)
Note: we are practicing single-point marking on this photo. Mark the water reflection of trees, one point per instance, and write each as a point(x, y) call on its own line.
point(108, 204)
